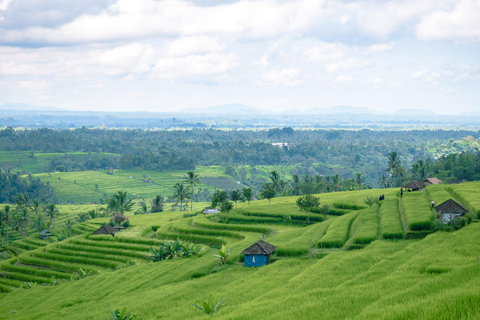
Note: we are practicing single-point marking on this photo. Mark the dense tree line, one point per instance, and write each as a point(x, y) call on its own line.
point(12, 184)
point(321, 152)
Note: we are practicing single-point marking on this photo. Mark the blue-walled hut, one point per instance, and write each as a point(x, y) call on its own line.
point(258, 254)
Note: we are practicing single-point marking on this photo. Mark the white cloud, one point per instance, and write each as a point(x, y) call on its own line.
point(460, 24)
point(375, 80)
point(194, 45)
point(343, 79)
point(193, 65)
point(396, 84)
point(4, 4)
point(418, 74)
point(131, 58)
point(284, 78)
point(145, 18)
point(381, 47)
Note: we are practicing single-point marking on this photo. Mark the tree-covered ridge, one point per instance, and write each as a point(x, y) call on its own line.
point(320, 152)
point(12, 184)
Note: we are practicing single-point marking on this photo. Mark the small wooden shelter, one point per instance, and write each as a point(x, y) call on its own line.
point(258, 254)
point(44, 234)
point(450, 210)
point(430, 181)
point(106, 229)
point(413, 186)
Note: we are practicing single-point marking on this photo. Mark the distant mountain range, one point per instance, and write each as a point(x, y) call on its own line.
point(243, 109)
point(27, 107)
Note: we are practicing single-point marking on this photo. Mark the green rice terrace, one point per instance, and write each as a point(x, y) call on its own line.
point(363, 262)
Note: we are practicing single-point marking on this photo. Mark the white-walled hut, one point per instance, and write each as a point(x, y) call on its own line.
point(450, 210)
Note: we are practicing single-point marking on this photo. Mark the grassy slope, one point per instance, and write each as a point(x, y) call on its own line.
point(434, 278)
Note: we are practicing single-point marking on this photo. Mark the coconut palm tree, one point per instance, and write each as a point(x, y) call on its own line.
point(5, 217)
point(52, 212)
point(38, 223)
point(23, 219)
point(36, 206)
point(192, 179)
point(181, 193)
point(276, 181)
point(157, 204)
point(394, 162)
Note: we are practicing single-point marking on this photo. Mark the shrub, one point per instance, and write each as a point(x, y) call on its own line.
point(122, 315)
point(126, 223)
point(223, 255)
point(209, 307)
point(174, 249)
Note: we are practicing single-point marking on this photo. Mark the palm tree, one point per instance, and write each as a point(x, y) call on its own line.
point(192, 179)
point(5, 216)
point(157, 204)
point(295, 185)
point(36, 205)
point(181, 193)
point(276, 181)
point(38, 223)
point(51, 211)
point(383, 181)
point(359, 180)
point(23, 218)
point(82, 217)
point(394, 162)
point(122, 203)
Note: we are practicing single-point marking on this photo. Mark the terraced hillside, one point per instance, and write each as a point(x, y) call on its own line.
point(315, 272)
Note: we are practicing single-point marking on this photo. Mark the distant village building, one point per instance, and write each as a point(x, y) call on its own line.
point(106, 229)
point(6, 166)
point(258, 254)
point(208, 211)
point(414, 186)
point(430, 181)
point(450, 210)
point(280, 144)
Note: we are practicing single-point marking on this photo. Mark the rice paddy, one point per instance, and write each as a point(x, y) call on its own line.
point(314, 273)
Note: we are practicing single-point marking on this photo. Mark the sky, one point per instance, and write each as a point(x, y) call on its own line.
point(166, 55)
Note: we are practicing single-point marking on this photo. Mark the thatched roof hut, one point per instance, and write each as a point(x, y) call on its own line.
point(106, 229)
point(44, 234)
point(258, 254)
point(414, 185)
point(430, 181)
point(450, 209)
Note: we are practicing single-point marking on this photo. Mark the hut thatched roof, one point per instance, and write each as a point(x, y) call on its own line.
point(260, 247)
point(105, 229)
point(415, 185)
point(451, 206)
point(432, 181)
point(46, 233)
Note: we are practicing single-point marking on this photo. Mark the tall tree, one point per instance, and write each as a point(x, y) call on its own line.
point(51, 211)
point(276, 181)
point(6, 215)
point(235, 195)
point(219, 197)
point(268, 194)
point(23, 218)
point(192, 179)
point(394, 162)
point(36, 206)
point(307, 203)
point(248, 194)
point(181, 193)
point(225, 207)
